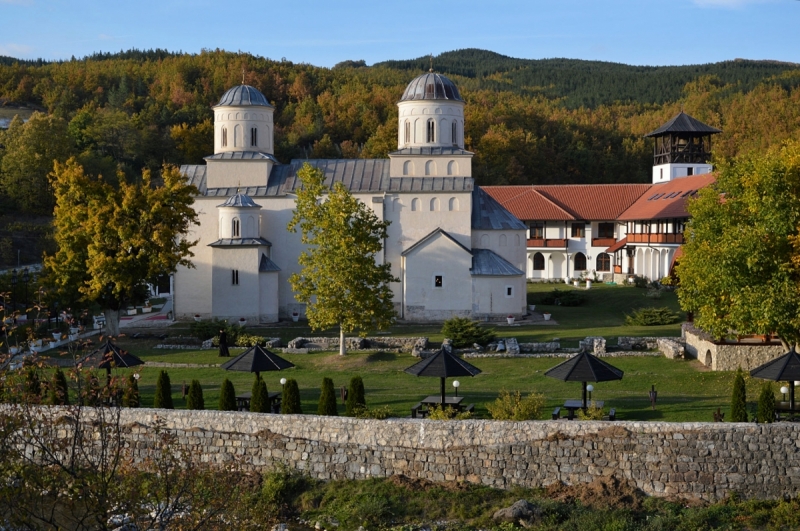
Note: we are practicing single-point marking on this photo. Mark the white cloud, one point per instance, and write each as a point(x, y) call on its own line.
point(20, 51)
point(728, 4)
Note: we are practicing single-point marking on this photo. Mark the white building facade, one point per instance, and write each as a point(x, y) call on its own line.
point(454, 249)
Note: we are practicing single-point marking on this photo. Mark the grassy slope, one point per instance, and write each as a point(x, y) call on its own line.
point(687, 392)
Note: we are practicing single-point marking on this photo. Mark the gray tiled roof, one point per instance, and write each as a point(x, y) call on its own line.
point(358, 175)
point(488, 263)
point(243, 96)
point(240, 242)
point(488, 214)
point(683, 123)
point(267, 266)
point(432, 150)
point(240, 201)
point(242, 155)
point(431, 86)
point(430, 236)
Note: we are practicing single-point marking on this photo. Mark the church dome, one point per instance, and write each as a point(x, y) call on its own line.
point(243, 96)
point(240, 201)
point(431, 86)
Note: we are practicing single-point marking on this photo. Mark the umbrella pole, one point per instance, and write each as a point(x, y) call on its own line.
point(791, 396)
point(584, 396)
point(443, 392)
point(108, 376)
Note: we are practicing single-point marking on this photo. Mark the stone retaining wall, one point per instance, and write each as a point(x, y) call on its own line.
point(727, 356)
point(358, 343)
point(692, 460)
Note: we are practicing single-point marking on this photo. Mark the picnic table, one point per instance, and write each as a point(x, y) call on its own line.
point(243, 401)
point(574, 405)
point(424, 406)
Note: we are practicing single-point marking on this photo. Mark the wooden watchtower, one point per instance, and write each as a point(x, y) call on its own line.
point(682, 148)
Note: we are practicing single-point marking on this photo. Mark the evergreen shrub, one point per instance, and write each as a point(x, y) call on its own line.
point(59, 392)
point(464, 332)
point(227, 396)
point(290, 401)
point(766, 404)
point(194, 399)
point(163, 396)
point(355, 396)
point(259, 397)
point(739, 398)
point(131, 396)
point(651, 317)
point(327, 399)
point(559, 297)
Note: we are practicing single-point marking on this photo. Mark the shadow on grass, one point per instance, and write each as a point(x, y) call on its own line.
point(381, 356)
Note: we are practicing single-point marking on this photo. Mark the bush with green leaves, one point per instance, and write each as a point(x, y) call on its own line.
point(163, 396)
point(59, 392)
point(464, 332)
point(259, 397)
point(651, 317)
point(194, 399)
point(379, 413)
point(290, 401)
point(593, 412)
point(766, 404)
point(448, 413)
point(327, 399)
point(739, 398)
point(512, 406)
point(130, 398)
point(32, 389)
point(227, 396)
point(355, 396)
point(640, 282)
point(560, 297)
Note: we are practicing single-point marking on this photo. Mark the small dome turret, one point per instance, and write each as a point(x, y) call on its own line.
point(239, 201)
point(243, 96)
point(431, 86)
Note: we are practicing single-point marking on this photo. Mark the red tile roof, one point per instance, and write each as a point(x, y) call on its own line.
point(527, 204)
point(617, 246)
point(593, 202)
point(666, 200)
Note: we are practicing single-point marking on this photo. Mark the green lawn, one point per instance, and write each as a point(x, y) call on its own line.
point(687, 391)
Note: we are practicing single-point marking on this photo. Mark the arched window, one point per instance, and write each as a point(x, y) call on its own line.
point(397, 205)
point(407, 167)
point(580, 262)
point(538, 262)
point(455, 133)
point(407, 132)
point(430, 167)
point(238, 140)
point(604, 262)
point(434, 204)
point(253, 136)
point(431, 131)
point(235, 228)
point(452, 205)
point(452, 167)
point(503, 240)
point(415, 205)
point(224, 137)
point(485, 241)
point(517, 240)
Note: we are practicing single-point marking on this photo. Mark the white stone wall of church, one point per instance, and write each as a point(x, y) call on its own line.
point(246, 118)
point(268, 295)
point(438, 257)
point(419, 112)
point(237, 173)
point(193, 285)
point(510, 244)
point(490, 297)
point(231, 301)
point(431, 166)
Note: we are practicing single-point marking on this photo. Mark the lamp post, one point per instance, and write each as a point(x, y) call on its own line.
point(784, 390)
point(25, 278)
point(283, 383)
point(456, 385)
point(13, 289)
point(590, 388)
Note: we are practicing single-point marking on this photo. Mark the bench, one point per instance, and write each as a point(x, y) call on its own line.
point(612, 415)
point(417, 409)
point(469, 409)
point(557, 413)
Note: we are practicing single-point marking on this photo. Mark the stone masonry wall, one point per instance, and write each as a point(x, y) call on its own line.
point(692, 460)
point(727, 356)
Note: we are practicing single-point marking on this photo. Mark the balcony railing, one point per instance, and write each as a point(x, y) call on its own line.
point(547, 242)
point(655, 238)
point(603, 242)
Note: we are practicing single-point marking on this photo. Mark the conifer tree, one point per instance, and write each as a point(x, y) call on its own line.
point(131, 396)
point(33, 387)
point(739, 398)
point(194, 399)
point(59, 392)
point(355, 396)
point(766, 404)
point(290, 402)
point(227, 396)
point(327, 399)
point(92, 393)
point(163, 397)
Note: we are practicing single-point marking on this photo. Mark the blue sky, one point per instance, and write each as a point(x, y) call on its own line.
point(640, 32)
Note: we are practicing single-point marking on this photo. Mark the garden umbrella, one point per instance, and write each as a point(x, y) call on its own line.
point(257, 359)
point(584, 368)
point(785, 368)
point(443, 365)
point(110, 355)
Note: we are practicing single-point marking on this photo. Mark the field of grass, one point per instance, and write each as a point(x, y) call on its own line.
point(686, 390)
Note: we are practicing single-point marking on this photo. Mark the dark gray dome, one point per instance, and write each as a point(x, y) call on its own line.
point(431, 86)
point(243, 96)
point(240, 201)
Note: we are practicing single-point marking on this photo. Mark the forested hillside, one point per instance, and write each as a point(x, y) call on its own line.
point(544, 121)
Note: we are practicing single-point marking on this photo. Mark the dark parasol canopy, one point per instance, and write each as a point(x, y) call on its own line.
point(443, 365)
point(109, 356)
point(785, 368)
point(584, 368)
point(257, 359)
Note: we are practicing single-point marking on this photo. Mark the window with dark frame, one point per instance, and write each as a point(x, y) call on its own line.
point(407, 132)
point(455, 134)
point(537, 229)
point(224, 137)
point(578, 230)
point(431, 131)
point(235, 228)
point(538, 262)
point(438, 281)
point(580, 262)
point(605, 230)
point(253, 136)
point(604, 262)
point(509, 291)
point(235, 277)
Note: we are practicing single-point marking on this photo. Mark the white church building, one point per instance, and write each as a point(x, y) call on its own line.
point(455, 250)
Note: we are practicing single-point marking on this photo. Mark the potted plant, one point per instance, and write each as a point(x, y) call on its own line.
point(532, 307)
point(56, 335)
point(588, 283)
point(295, 316)
point(242, 321)
point(147, 308)
point(197, 317)
point(510, 319)
point(546, 316)
point(131, 310)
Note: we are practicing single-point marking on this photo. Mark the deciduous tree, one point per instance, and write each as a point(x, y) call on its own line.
point(112, 241)
point(341, 282)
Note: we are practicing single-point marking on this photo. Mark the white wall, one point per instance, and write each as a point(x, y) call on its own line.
point(442, 112)
point(246, 118)
point(234, 301)
point(235, 173)
point(490, 296)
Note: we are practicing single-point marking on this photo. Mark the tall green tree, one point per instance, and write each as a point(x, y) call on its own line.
point(739, 398)
point(194, 398)
point(355, 396)
point(227, 396)
point(259, 397)
point(327, 399)
point(740, 270)
point(290, 401)
point(766, 404)
point(340, 282)
point(112, 241)
point(163, 396)
point(59, 391)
